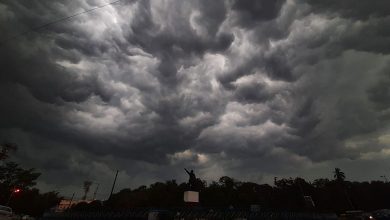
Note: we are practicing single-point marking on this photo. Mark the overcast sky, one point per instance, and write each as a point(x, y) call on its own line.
point(249, 89)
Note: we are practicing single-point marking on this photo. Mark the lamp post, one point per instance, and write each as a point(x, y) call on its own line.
point(15, 190)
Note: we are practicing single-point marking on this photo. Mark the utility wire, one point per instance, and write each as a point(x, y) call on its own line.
point(43, 26)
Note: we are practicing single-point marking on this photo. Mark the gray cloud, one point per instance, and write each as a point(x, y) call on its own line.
point(148, 87)
point(250, 12)
point(352, 9)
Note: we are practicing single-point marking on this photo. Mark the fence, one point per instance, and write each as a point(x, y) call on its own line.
point(188, 214)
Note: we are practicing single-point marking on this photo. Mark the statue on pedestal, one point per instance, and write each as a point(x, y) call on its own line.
point(191, 196)
point(192, 179)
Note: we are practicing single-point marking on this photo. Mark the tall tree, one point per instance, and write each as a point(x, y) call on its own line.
point(340, 177)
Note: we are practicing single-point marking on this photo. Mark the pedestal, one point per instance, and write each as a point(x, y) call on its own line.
point(191, 196)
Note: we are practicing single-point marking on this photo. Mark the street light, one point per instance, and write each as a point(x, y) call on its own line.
point(15, 190)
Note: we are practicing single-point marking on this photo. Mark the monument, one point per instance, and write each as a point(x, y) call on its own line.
point(191, 195)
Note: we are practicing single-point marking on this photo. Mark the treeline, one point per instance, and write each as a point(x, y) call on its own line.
point(17, 190)
point(17, 186)
point(328, 195)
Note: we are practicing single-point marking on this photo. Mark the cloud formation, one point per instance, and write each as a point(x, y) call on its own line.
point(272, 88)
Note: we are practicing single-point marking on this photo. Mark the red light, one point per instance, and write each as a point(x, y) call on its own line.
point(16, 190)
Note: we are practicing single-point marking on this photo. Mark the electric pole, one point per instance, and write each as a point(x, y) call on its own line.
point(94, 194)
point(113, 184)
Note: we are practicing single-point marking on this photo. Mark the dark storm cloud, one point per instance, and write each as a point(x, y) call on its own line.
point(278, 68)
point(352, 9)
point(180, 45)
point(250, 12)
point(324, 132)
point(66, 88)
point(255, 92)
point(63, 87)
point(270, 87)
point(379, 94)
point(275, 66)
point(366, 31)
point(304, 119)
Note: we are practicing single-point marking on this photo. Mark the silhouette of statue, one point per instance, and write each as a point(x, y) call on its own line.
point(192, 179)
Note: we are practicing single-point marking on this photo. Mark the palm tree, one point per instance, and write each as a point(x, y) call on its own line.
point(339, 175)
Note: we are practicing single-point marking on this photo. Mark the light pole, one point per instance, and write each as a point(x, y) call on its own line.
point(15, 190)
point(71, 200)
point(113, 184)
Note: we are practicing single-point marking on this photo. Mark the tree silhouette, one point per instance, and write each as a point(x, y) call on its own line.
point(227, 182)
point(321, 183)
point(340, 178)
point(12, 175)
point(29, 200)
point(6, 147)
point(339, 175)
point(287, 194)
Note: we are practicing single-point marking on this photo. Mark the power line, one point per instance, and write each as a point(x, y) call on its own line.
point(43, 26)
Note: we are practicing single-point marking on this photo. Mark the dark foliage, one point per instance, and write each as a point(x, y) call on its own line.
point(5, 149)
point(34, 203)
point(287, 194)
point(28, 200)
